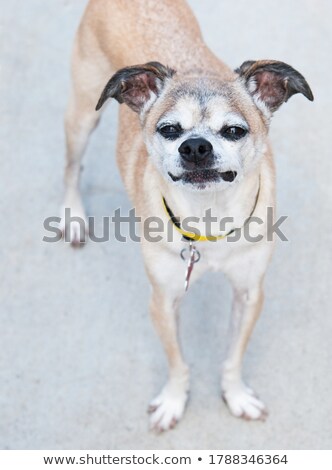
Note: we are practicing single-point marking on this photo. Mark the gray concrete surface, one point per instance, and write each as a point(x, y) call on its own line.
point(79, 358)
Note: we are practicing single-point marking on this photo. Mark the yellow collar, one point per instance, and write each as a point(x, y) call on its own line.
point(195, 236)
point(191, 235)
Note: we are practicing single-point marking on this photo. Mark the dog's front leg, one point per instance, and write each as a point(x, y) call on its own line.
point(168, 407)
point(240, 399)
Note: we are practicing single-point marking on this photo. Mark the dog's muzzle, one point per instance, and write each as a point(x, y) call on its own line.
point(197, 160)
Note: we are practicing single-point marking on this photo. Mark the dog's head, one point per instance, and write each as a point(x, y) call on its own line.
point(203, 132)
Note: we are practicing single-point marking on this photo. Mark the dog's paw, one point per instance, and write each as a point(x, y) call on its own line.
point(243, 403)
point(75, 230)
point(167, 409)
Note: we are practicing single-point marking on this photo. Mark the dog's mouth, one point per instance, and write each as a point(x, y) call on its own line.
point(204, 176)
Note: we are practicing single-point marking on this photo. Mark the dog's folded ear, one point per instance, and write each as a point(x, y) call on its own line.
point(135, 85)
point(272, 82)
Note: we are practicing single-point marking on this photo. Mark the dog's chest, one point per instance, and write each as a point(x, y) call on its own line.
point(214, 256)
point(209, 255)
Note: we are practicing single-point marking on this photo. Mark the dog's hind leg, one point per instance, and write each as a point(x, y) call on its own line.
point(168, 407)
point(89, 75)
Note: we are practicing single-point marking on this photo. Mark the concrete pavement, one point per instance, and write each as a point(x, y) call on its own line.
point(79, 359)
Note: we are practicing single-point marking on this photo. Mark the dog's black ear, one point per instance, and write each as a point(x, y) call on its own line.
point(135, 85)
point(273, 82)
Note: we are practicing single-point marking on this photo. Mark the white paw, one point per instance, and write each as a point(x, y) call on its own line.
point(167, 409)
point(74, 231)
point(243, 403)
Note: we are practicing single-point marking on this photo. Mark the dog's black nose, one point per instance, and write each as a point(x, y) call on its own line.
point(195, 150)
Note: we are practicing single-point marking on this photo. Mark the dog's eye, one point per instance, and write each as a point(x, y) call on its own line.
point(170, 131)
point(233, 132)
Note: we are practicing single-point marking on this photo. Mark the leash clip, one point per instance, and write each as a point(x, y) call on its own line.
point(194, 257)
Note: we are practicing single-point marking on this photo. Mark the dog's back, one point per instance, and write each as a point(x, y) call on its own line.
point(143, 30)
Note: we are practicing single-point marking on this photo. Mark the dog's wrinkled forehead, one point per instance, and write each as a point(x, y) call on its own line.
point(191, 112)
point(204, 101)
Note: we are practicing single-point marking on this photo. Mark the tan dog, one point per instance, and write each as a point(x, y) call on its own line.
point(196, 134)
